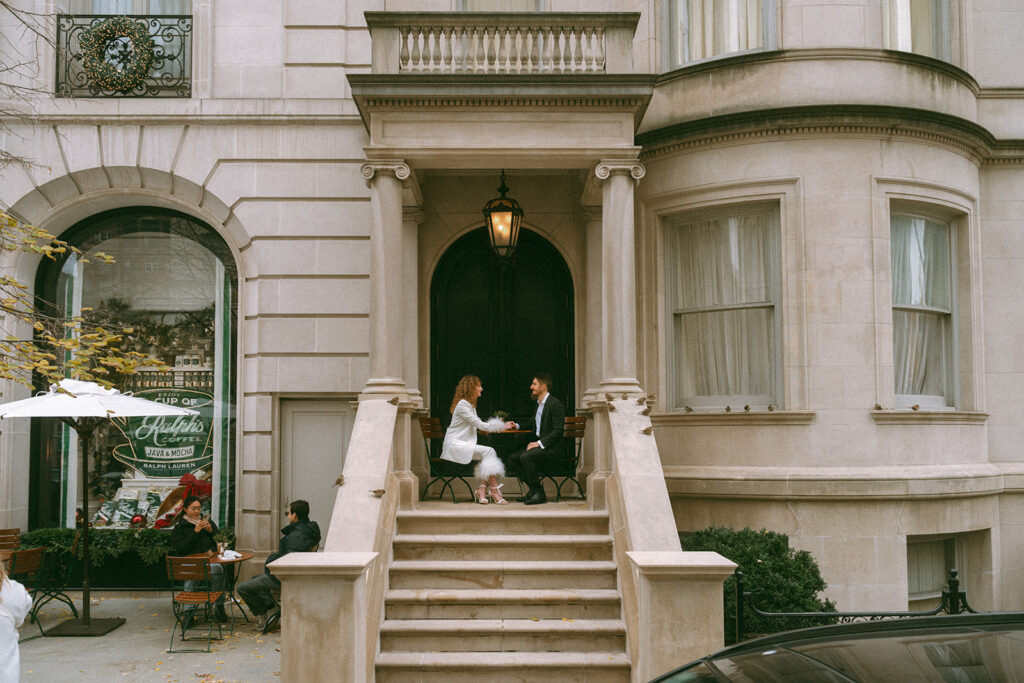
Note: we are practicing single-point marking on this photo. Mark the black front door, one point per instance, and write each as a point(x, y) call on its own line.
point(501, 322)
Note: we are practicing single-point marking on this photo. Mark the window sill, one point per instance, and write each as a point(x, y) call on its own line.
point(908, 417)
point(756, 417)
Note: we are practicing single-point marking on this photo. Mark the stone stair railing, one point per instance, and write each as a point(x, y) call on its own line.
point(665, 591)
point(489, 43)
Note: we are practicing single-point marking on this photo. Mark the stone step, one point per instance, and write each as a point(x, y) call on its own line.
point(502, 574)
point(502, 635)
point(503, 519)
point(502, 604)
point(503, 547)
point(501, 667)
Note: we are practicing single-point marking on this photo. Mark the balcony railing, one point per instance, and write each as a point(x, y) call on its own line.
point(169, 73)
point(514, 43)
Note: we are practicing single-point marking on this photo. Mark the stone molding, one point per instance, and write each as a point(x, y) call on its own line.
point(609, 167)
point(917, 417)
point(395, 167)
point(740, 418)
point(962, 136)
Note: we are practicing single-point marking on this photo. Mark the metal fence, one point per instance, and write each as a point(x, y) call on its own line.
point(954, 601)
point(169, 75)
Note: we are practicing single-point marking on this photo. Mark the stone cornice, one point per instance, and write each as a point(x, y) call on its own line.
point(845, 483)
point(964, 137)
point(608, 92)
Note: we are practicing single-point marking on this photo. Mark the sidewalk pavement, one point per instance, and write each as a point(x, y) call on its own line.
point(137, 651)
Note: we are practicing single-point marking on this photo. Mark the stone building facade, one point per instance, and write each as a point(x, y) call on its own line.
point(796, 222)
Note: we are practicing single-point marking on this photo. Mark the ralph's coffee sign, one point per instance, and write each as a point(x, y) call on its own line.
point(170, 446)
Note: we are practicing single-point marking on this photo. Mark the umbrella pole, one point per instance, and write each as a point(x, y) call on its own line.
point(85, 428)
point(85, 625)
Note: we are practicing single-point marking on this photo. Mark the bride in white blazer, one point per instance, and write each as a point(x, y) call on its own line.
point(460, 440)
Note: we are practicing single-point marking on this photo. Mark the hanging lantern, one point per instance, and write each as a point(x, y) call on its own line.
point(503, 216)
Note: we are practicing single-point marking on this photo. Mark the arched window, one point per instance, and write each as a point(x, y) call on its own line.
point(174, 283)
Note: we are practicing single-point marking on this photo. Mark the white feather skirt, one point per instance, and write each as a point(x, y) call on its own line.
point(489, 465)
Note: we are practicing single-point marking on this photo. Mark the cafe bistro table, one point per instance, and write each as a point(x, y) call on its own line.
point(230, 574)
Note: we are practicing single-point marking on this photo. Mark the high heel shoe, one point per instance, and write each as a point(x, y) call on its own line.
point(495, 494)
point(481, 494)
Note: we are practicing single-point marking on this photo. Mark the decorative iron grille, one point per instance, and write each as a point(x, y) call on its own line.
point(169, 74)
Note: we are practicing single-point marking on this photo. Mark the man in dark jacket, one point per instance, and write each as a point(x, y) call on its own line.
point(547, 425)
point(301, 535)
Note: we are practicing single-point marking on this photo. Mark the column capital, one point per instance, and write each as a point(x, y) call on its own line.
point(395, 167)
point(609, 167)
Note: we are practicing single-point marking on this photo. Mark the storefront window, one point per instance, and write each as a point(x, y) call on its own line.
point(173, 283)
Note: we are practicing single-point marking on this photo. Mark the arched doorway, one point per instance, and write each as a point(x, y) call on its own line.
point(503, 322)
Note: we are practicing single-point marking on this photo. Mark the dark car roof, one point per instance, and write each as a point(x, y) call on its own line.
point(975, 647)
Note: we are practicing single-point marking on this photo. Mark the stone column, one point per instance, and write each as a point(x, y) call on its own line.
point(387, 350)
point(618, 270)
point(412, 219)
point(593, 369)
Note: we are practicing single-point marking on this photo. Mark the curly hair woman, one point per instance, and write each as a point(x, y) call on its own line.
point(460, 440)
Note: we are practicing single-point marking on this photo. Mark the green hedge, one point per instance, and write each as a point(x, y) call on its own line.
point(781, 579)
point(118, 558)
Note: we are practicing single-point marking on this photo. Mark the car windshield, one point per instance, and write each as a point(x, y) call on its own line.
point(968, 653)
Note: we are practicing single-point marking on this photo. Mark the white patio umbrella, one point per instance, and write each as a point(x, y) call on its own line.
point(83, 406)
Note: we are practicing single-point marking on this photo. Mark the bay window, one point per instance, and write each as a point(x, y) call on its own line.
point(702, 29)
point(924, 27)
point(923, 301)
point(723, 290)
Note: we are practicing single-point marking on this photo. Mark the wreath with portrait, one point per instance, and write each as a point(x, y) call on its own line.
point(108, 62)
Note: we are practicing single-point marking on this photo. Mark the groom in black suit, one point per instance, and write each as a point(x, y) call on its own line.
point(547, 425)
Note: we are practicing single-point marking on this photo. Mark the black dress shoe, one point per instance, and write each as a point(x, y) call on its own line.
point(273, 619)
point(536, 498)
point(523, 498)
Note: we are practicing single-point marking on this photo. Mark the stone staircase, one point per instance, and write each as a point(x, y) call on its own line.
point(504, 593)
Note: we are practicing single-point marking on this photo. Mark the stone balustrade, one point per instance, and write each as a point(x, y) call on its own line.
point(515, 43)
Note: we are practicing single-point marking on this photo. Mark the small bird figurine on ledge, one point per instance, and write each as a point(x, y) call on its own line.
point(379, 493)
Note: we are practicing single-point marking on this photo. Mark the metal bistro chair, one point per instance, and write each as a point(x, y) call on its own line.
point(565, 470)
point(53, 579)
point(186, 604)
point(10, 539)
point(24, 567)
point(442, 470)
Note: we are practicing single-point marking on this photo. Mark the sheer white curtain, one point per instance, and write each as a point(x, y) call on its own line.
point(707, 28)
point(919, 26)
point(723, 273)
point(922, 306)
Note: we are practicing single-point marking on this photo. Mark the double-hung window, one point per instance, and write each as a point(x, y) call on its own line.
point(723, 291)
point(923, 27)
point(702, 29)
point(923, 299)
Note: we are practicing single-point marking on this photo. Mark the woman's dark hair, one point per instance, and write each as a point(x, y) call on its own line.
point(188, 501)
point(300, 508)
